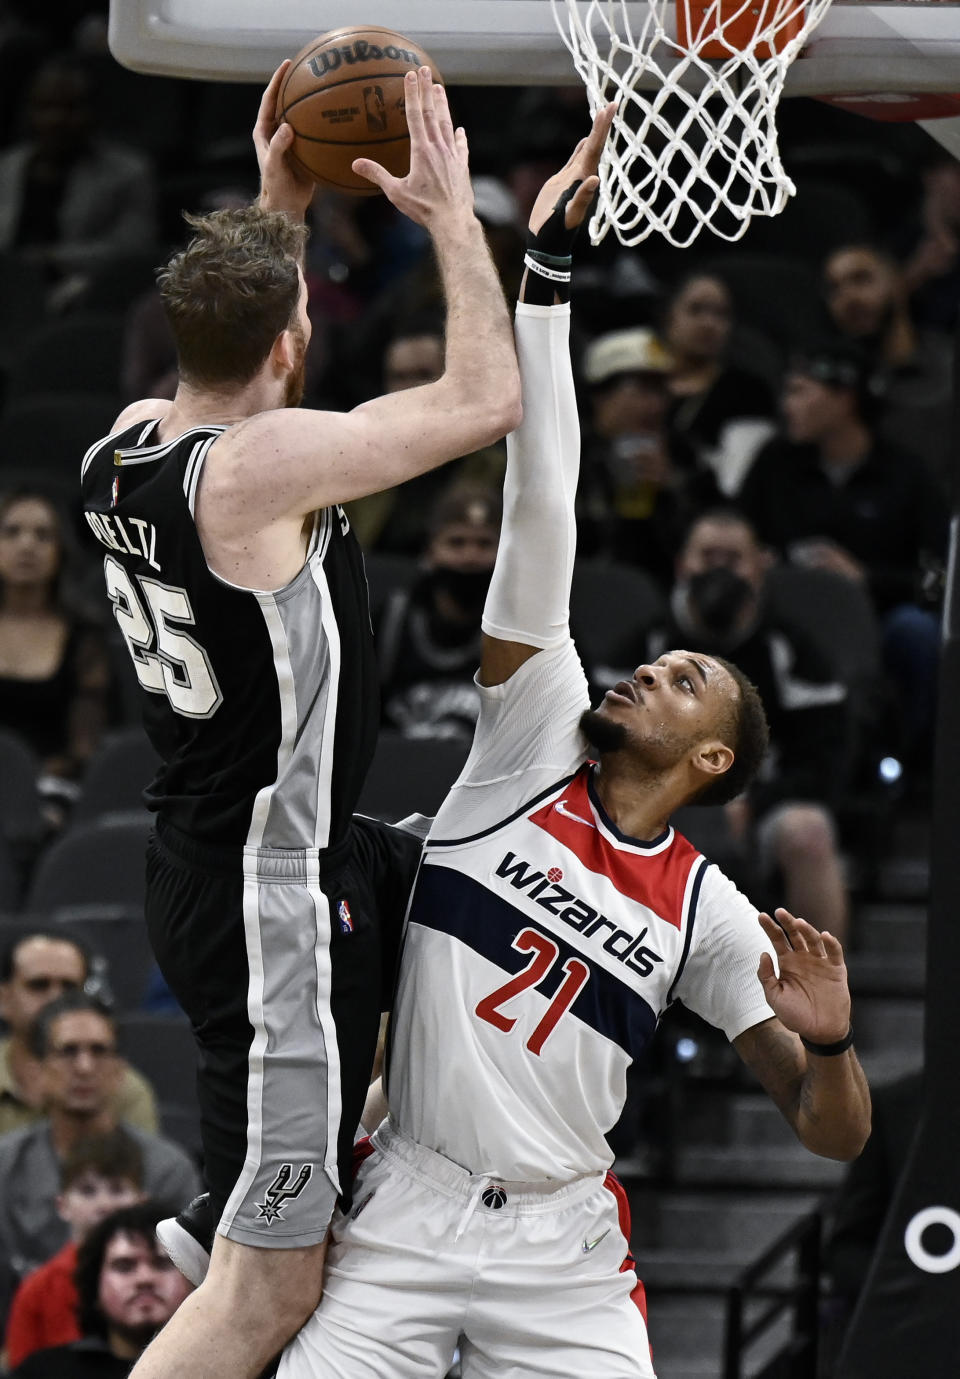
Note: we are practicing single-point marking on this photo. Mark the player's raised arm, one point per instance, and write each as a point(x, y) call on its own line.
point(318, 458)
point(805, 1057)
point(527, 607)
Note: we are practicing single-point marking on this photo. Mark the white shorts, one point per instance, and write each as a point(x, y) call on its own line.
point(527, 1281)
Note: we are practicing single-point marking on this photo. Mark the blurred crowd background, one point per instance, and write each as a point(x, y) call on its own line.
point(766, 465)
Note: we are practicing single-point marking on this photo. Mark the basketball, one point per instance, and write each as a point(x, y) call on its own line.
point(343, 98)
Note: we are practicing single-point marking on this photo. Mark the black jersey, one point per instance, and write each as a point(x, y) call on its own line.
point(262, 706)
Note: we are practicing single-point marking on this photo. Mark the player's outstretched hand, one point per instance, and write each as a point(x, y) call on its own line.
point(283, 185)
point(437, 186)
point(580, 166)
point(811, 995)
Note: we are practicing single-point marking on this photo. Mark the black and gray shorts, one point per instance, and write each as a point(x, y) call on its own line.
point(282, 961)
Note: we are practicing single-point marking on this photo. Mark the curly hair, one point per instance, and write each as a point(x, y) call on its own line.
point(139, 1221)
point(231, 292)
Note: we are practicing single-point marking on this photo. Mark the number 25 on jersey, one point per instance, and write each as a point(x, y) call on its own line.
point(545, 954)
point(166, 660)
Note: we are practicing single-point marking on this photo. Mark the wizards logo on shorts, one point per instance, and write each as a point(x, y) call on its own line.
point(346, 922)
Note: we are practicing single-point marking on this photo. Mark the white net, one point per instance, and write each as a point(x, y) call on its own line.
point(694, 141)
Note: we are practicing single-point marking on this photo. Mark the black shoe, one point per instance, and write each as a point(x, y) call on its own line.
point(188, 1238)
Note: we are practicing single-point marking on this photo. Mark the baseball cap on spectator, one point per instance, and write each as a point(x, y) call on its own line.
point(637, 350)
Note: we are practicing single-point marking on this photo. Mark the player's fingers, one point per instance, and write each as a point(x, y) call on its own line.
point(373, 172)
point(775, 934)
point(444, 119)
point(267, 114)
point(463, 148)
point(798, 931)
point(427, 102)
point(413, 107)
point(832, 948)
point(766, 972)
point(579, 203)
point(283, 138)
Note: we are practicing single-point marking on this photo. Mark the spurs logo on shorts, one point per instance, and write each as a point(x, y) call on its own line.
point(280, 1192)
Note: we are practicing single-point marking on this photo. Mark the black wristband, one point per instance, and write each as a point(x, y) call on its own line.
point(550, 250)
point(829, 1050)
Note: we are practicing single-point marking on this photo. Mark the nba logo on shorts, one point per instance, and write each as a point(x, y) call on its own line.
point(346, 923)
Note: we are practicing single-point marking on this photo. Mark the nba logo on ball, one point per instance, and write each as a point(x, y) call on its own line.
point(494, 1198)
point(346, 923)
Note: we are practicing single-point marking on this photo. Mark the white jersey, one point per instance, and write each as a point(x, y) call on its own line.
point(542, 946)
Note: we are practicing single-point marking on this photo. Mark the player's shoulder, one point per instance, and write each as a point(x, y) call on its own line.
point(147, 409)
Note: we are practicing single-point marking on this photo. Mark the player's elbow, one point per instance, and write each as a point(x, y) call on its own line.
point(843, 1139)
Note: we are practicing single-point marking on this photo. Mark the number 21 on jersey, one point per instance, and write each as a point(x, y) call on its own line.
point(166, 660)
point(545, 954)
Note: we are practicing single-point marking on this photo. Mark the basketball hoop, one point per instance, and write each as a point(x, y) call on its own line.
point(694, 141)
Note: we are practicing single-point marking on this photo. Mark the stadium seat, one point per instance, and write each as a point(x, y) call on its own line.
point(97, 863)
point(22, 291)
point(21, 824)
point(611, 608)
point(838, 617)
point(121, 958)
point(69, 424)
point(162, 1048)
point(411, 775)
point(115, 778)
point(70, 353)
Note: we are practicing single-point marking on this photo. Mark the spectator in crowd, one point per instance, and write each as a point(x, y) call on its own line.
point(74, 1040)
point(99, 1175)
point(718, 604)
point(868, 300)
point(397, 520)
point(831, 494)
point(128, 1289)
point(428, 636)
point(68, 199)
point(724, 411)
point(932, 248)
point(639, 486)
point(55, 677)
point(37, 967)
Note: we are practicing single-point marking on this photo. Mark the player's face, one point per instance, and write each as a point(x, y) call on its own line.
point(464, 546)
point(699, 325)
point(29, 543)
point(43, 969)
point(140, 1289)
point(669, 706)
point(860, 290)
point(81, 1068)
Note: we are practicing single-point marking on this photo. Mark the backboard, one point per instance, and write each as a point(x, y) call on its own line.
point(859, 47)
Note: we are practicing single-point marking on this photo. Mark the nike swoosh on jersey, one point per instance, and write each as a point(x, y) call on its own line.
point(569, 814)
point(589, 1245)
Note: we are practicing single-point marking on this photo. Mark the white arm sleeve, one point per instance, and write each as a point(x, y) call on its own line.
point(529, 596)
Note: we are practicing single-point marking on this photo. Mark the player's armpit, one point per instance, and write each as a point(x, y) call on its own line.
point(500, 660)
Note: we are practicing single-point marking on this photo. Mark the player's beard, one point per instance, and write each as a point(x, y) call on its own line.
point(602, 733)
point(297, 378)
